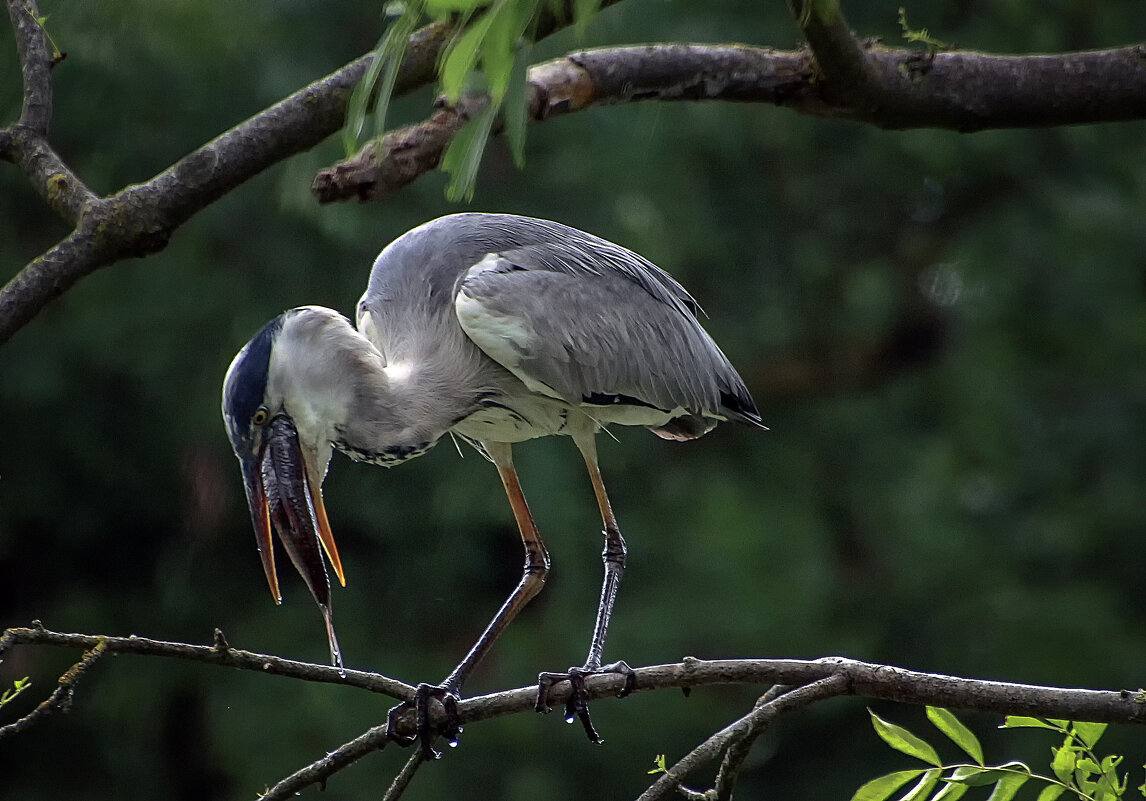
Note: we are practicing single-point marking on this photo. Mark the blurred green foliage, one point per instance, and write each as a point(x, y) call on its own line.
point(944, 332)
point(1077, 769)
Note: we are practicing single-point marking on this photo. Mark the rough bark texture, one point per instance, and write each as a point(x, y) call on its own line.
point(838, 76)
point(888, 88)
point(803, 682)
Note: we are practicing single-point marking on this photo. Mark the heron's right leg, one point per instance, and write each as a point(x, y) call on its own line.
point(613, 556)
point(533, 576)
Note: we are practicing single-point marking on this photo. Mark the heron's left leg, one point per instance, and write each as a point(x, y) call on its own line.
point(533, 575)
point(613, 557)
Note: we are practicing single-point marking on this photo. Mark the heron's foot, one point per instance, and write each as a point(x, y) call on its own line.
point(425, 731)
point(577, 705)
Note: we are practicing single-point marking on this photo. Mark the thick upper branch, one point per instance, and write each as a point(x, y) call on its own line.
point(141, 219)
point(889, 88)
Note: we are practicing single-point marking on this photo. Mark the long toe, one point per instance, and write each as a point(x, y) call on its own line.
point(425, 733)
point(577, 704)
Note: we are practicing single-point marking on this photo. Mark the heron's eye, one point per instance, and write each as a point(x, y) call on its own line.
point(261, 416)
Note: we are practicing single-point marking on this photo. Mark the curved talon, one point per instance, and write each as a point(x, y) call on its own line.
point(425, 733)
point(577, 704)
point(621, 667)
point(391, 725)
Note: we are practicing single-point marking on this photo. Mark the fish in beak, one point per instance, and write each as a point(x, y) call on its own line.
point(284, 489)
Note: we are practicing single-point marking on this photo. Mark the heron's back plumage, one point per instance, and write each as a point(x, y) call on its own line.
point(571, 316)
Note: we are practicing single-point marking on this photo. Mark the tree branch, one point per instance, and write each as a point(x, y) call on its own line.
point(888, 88)
point(737, 751)
point(35, 65)
point(140, 219)
point(842, 66)
point(816, 680)
point(839, 77)
point(25, 144)
point(747, 728)
point(61, 697)
point(217, 654)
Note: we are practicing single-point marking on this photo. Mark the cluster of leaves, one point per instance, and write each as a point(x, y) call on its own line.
point(1077, 768)
point(18, 686)
point(487, 56)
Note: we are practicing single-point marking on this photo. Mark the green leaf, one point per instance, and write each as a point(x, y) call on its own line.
point(1022, 722)
point(974, 776)
point(462, 55)
point(882, 788)
point(501, 43)
point(463, 157)
point(360, 101)
point(901, 739)
point(515, 109)
point(1087, 766)
point(440, 9)
point(18, 686)
point(924, 786)
point(381, 76)
point(971, 775)
point(959, 734)
point(952, 791)
point(1063, 763)
point(1008, 785)
point(443, 8)
point(1051, 792)
point(393, 51)
point(1088, 733)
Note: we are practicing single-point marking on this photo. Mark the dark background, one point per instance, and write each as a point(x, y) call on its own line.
point(944, 332)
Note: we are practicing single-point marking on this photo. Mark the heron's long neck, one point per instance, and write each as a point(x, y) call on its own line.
point(397, 410)
point(342, 392)
point(394, 413)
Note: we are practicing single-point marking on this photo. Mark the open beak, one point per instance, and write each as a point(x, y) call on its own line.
point(284, 489)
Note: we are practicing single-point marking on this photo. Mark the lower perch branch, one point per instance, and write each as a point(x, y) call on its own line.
point(813, 680)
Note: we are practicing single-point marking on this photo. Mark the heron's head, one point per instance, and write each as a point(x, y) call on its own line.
point(274, 407)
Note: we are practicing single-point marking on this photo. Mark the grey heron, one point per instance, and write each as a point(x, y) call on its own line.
point(497, 329)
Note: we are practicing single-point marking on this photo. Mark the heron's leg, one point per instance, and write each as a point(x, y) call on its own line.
point(533, 575)
point(613, 557)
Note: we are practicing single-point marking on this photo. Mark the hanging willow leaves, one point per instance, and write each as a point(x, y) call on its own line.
point(489, 51)
point(380, 77)
point(463, 157)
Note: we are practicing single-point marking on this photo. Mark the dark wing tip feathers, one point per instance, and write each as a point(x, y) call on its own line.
point(741, 408)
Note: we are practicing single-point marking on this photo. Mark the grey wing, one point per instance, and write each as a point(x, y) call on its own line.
point(592, 333)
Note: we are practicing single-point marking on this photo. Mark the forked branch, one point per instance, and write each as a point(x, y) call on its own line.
point(813, 680)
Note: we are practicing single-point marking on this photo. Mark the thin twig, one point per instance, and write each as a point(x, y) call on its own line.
point(754, 721)
point(61, 697)
point(217, 654)
point(738, 751)
point(317, 772)
point(405, 776)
